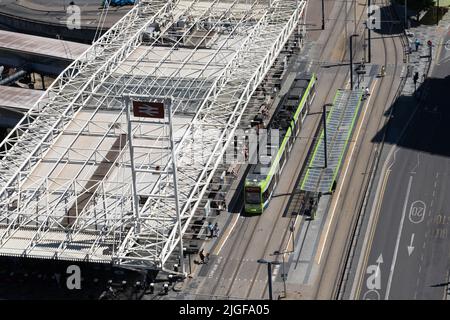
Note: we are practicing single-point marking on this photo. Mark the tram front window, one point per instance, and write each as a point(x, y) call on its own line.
point(253, 196)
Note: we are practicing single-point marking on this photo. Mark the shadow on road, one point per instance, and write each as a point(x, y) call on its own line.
point(390, 24)
point(440, 284)
point(429, 128)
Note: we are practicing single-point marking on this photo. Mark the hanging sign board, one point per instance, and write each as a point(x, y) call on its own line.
point(148, 109)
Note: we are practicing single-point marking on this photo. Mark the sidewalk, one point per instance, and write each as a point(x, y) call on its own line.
point(418, 60)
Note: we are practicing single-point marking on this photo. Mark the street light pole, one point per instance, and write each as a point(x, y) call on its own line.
point(292, 229)
point(406, 14)
point(437, 13)
point(351, 60)
point(323, 15)
point(269, 274)
point(369, 42)
point(277, 253)
point(324, 118)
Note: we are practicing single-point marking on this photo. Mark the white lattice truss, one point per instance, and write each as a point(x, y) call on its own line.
point(65, 190)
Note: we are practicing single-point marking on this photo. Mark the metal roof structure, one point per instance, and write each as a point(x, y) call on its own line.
point(65, 169)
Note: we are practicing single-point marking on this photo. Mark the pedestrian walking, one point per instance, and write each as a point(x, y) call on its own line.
point(206, 258)
point(211, 229)
point(216, 230)
point(202, 256)
point(417, 43)
point(366, 92)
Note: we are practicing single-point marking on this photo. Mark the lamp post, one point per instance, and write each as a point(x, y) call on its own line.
point(324, 118)
point(369, 43)
point(406, 14)
point(351, 60)
point(277, 253)
point(437, 13)
point(292, 229)
point(188, 253)
point(323, 15)
point(269, 273)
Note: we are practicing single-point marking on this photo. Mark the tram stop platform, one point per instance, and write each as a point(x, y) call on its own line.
point(301, 268)
point(339, 126)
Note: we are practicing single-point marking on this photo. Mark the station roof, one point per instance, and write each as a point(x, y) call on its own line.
point(18, 99)
point(25, 43)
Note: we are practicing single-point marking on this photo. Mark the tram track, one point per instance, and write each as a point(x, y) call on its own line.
point(296, 181)
point(286, 222)
point(240, 246)
point(371, 164)
point(329, 95)
point(250, 223)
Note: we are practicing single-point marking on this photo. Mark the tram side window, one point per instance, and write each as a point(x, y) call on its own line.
point(283, 157)
point(311, 93)
point(304, 111)
point(269, 189)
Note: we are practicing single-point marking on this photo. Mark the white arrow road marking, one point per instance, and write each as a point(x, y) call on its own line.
point(379, 261)
point(411, 247)
point(394, 259)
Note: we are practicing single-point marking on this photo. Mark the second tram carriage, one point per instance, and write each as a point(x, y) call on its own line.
point(288, 119)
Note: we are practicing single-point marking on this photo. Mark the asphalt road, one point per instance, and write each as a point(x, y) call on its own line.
point(409, 256)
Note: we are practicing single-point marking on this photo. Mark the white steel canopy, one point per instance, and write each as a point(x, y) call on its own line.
point(65, 172)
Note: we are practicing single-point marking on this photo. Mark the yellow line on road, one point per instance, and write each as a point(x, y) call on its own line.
point(372, 230)
point(223, 240)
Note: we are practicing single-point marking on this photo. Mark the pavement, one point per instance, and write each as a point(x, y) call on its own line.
point(404, 251)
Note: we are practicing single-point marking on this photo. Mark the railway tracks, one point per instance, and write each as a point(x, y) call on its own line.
point(374, 156)
point(229, 274)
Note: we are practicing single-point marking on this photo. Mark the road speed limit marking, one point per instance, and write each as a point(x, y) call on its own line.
point(447, 45)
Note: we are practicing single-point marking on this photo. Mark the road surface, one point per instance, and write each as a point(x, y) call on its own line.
point(408, 248)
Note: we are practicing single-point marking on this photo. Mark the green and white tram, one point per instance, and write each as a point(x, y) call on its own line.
point(288, 119)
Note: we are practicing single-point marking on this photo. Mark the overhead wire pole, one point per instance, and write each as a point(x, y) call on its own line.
point(324, 118)
point(133, 168)
point(351, 60)
point(406, 14)
point(169, 102)
point(323, 15)
point(437, 12)
point(369, 30)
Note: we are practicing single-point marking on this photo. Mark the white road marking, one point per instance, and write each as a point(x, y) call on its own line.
point(394, 259)
point(228, 234)
point(411, 247)
point(417, 212)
